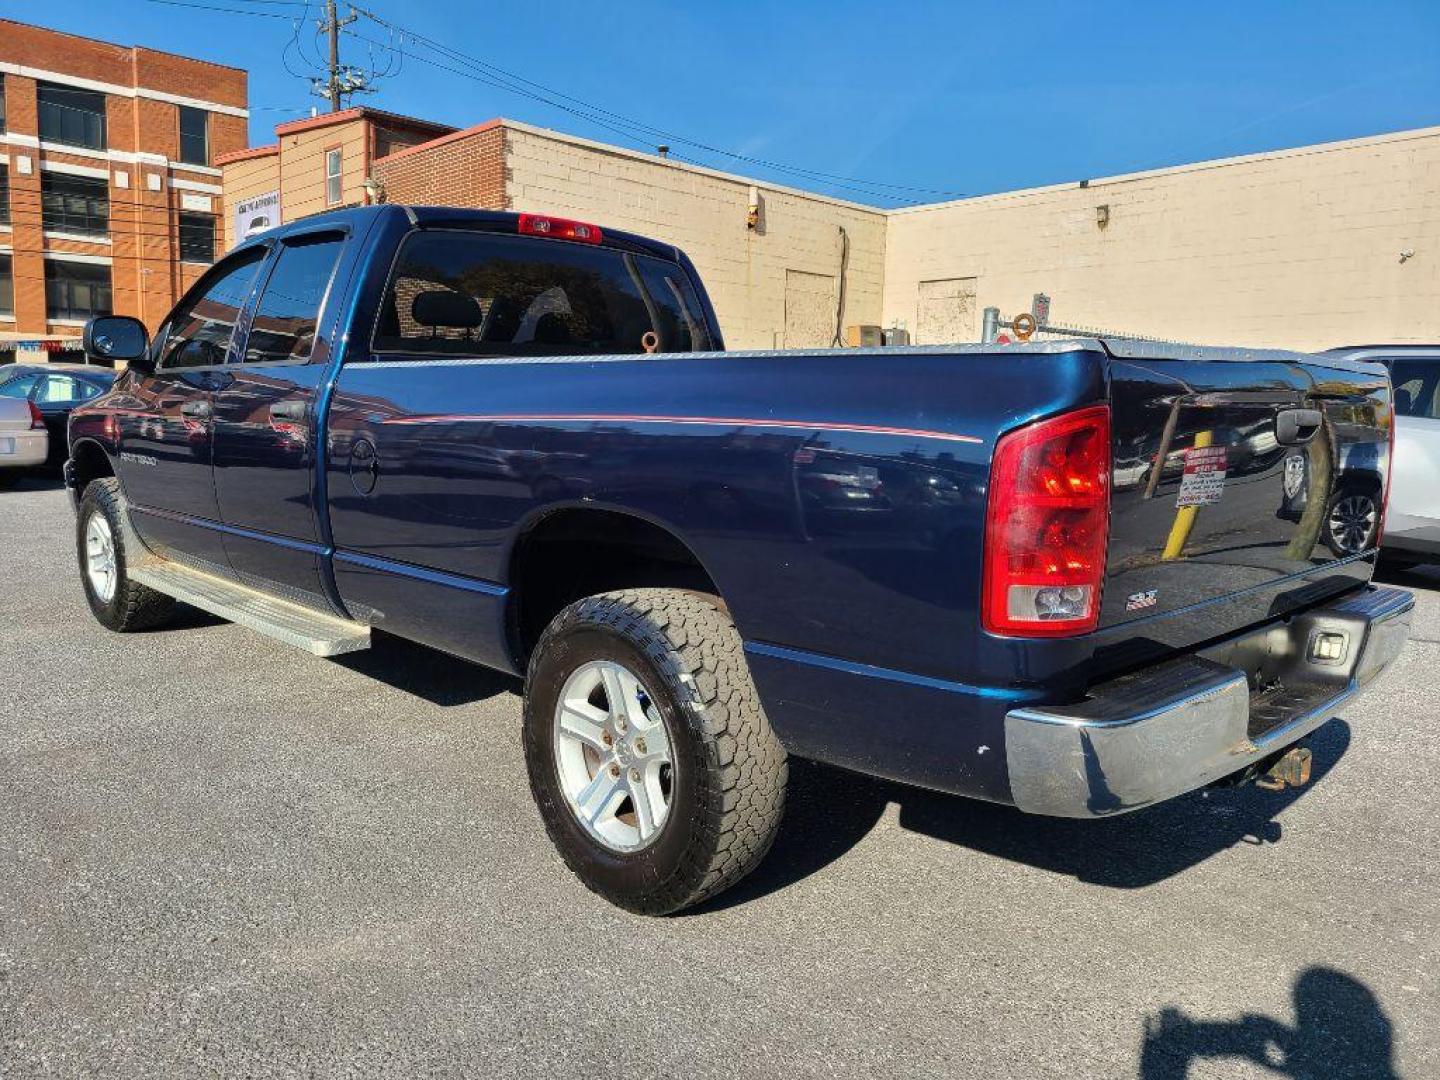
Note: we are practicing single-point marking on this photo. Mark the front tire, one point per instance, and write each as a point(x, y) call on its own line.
point(118, 602)
point(1350, 522)
point(652, 763)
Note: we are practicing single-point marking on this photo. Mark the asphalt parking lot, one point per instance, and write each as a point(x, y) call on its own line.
point(221, 857)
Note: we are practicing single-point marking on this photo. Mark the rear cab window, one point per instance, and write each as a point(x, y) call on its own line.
point(480, 294)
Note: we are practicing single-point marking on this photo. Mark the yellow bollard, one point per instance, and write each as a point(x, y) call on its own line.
point(1185, 515)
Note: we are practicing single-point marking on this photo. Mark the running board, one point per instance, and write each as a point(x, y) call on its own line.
point(294, 624)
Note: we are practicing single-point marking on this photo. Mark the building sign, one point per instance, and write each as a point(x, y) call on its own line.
point(254, 216)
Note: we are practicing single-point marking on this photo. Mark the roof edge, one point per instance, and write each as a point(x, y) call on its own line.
point(453, 136)
point(247, 154)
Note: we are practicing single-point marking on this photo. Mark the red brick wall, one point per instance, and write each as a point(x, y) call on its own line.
point(50, 50)
point(464, 169)
point(146, 275)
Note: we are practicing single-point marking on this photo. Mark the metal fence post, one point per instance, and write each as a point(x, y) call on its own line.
point(990, 327)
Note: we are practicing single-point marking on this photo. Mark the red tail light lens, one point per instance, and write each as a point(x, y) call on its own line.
point(37, 418)
point(1047, 527)
point(1389, 472)
point(559, 229)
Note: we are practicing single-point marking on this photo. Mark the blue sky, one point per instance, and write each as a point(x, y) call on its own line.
point(960, 97)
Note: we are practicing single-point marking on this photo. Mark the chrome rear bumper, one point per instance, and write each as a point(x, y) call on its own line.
point(1169, 729)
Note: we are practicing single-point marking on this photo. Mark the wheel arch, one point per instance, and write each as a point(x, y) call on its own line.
point(89, 461)
point(567, 552)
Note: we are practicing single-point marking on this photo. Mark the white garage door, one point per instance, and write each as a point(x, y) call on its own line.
point(809, 310)
point(947, 312)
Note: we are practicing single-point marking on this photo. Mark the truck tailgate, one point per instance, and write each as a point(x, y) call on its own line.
point(1241, 473)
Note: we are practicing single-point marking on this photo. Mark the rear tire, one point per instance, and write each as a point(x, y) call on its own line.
point(725, 794)
point(119, 603)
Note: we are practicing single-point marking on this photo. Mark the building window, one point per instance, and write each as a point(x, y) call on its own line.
point(72, 116)
point(4, 195)
point(2, 102)
point(76, 290)
point(74, 204)
point(332, 176)
point(7, 287)
point(194, 136)
point(197, 238)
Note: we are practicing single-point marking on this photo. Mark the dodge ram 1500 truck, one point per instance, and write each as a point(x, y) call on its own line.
point(1068, 576)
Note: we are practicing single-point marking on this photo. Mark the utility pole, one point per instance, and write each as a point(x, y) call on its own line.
point(340, 80)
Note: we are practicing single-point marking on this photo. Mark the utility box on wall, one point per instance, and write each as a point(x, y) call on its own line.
point(864, 336)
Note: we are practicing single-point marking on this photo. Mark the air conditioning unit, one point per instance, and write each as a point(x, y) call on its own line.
point(864, 336)
point(895, 335)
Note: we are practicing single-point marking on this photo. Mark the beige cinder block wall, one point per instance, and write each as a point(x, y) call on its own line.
point(1297, 248)
point(704, 213)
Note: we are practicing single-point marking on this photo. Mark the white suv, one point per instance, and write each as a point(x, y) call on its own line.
point(1412, 526)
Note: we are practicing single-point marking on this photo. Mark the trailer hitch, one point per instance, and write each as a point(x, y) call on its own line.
point(1290, 769)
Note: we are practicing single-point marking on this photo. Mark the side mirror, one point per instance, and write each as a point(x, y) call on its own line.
point(109, 338)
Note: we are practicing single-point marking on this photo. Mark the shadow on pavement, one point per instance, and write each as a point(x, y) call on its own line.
point(829, 811)
point(427, 673)
point(1340, 1033)
point(33, 481)
point(1406, 575)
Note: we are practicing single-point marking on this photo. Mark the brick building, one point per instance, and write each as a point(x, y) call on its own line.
point(313, 164)
point(109, 191)
point(1303, 248)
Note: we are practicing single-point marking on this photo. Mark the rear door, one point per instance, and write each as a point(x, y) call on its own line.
point(1228, 475)
point(264, 423)
point(166, 436)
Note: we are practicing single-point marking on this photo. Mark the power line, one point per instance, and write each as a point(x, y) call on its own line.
point(222, 10)
point(628, 122)
point(635, 131)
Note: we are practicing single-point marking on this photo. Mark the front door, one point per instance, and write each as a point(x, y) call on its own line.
point(265, 424)
point(166, 432)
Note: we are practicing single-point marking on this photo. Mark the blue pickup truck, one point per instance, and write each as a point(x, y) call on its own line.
point(1066, 576)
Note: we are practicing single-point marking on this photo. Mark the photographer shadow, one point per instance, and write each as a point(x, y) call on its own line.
point(1340, 1032)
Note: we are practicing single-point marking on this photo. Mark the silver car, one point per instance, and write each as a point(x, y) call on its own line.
point(1412, 526)
point(24, 442)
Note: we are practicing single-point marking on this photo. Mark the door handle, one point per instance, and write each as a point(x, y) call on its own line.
point(1296, 426)
point(197, 410)
point(292, 411)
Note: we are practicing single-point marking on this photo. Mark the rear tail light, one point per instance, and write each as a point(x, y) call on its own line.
point(1047, 526)
point(559, 228)
point(1389, 472)
point(37, 418)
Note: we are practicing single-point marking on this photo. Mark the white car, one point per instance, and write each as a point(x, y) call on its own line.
point(1412, 524)
point(24, 442)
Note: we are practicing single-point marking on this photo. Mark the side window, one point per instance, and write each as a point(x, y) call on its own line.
point(677, 309)
point(333, 183)
point(285, 318)
point(201, 328)
point(482, 294)
point(19, 387)
point(59, 388)
point(1417, 386)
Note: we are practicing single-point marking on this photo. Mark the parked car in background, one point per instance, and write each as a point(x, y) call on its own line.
point(1412, 526)
point(54, 389)
point(24, 442)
